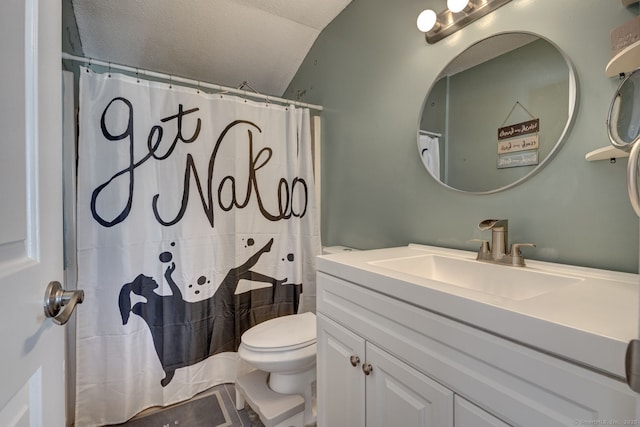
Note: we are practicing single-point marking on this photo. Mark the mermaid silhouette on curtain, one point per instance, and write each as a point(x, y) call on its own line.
point(185, 333)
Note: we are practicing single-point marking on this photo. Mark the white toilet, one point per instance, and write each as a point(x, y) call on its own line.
point(285, 347)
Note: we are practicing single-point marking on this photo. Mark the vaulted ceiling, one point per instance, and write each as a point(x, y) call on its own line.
point(226, 42)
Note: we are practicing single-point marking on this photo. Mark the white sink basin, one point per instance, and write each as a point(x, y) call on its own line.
point(516, 283)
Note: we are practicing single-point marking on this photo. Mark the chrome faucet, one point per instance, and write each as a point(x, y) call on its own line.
point(499, 230)
point(497, 252)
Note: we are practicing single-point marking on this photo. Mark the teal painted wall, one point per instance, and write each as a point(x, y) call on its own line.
point(71, 43)
point(371, 69)
point(70, 37)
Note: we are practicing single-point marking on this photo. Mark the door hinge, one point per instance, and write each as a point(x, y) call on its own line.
point(632, 365)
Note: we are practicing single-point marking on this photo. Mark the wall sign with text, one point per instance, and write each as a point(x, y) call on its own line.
point(519, 129)
point(518, 144)
point(512, 160)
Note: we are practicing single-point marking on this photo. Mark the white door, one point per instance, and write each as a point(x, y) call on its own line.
point(341, 382)
point(32, 377)
point(398, 395)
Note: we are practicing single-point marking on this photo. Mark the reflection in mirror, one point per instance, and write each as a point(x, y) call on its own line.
point(623, 123)
point(477, 131)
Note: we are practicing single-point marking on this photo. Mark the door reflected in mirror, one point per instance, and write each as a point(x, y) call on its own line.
point(508, 82)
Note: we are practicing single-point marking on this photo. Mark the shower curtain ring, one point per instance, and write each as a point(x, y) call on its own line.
point(170, 81)
point(137, 76)
point(109, 69)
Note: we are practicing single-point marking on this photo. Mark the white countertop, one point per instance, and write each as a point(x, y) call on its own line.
point(589, 323)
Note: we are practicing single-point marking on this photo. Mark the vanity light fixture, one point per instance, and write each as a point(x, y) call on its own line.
point(458, 14)
point(456, 6)
point(427, 20)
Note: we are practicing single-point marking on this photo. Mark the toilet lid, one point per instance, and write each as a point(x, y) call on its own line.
point(282, 333)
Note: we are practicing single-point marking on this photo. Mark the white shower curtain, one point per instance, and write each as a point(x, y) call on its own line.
point(196, 220)
point(429, 147)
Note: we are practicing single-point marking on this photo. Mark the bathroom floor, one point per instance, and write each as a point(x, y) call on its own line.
point(212, 408)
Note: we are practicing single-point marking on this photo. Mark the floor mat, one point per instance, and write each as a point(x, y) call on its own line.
point(213, 409)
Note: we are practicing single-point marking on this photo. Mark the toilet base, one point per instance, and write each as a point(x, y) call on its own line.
point(302, 383)
point(274, 409)
point(292, 383)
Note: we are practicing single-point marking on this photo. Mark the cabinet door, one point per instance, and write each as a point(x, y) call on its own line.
point(398, 395)
point(340, 384)
point(469, 415)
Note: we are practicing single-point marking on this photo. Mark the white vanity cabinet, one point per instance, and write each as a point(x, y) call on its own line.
point(429, 370)
point(340, 381)
point(360, 384)
point(469, 415)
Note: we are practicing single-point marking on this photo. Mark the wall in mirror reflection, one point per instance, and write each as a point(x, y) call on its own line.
point(469, 106)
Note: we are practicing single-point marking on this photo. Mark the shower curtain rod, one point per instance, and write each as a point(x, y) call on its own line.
point(177, 79)
point(427, 132)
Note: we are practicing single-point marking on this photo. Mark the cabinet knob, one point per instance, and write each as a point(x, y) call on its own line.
point(367, 368)
point(355, 361)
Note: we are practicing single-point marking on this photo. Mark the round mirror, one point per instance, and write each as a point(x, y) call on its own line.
point(623, 123)
point(497, 113)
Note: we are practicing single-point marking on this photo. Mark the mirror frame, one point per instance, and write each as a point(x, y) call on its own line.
point(572, 113)
point(612, 121)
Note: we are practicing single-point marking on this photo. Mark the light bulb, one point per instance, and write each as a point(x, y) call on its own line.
point(427, 20)
point(456, 6)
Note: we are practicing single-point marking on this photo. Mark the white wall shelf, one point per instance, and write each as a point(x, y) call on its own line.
point(627, 60)
point(605, 153)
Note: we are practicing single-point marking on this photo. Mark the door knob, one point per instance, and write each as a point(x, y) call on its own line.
point(59, 304)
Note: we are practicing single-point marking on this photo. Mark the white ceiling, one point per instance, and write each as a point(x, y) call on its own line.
point(226, 42)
